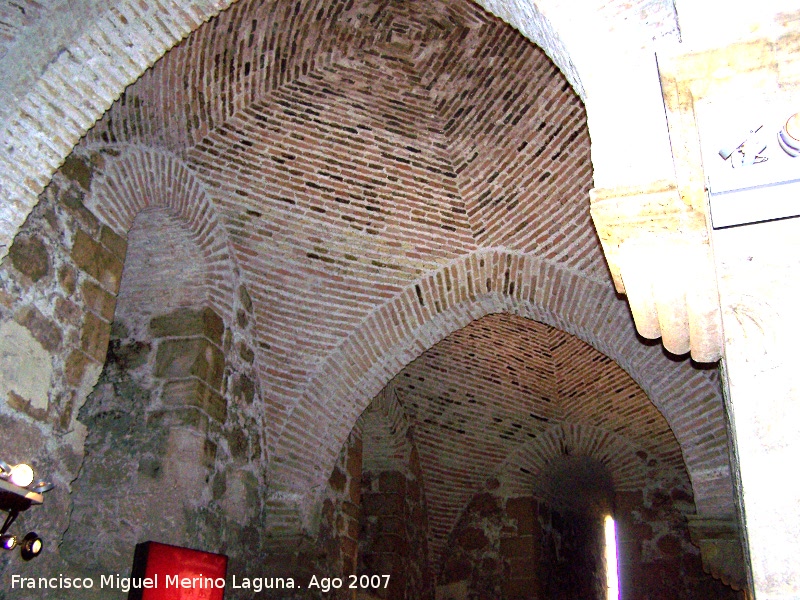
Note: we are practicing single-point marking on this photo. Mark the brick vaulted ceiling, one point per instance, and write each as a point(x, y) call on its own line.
point(489, 400)
point(382, 173)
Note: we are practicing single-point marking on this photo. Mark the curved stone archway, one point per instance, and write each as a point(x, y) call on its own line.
point(50, 115)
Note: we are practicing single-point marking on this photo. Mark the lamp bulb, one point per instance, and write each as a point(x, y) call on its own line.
point(21, 475)
point(8, 541)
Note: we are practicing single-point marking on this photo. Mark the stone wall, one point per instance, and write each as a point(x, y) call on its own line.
point(57, 301)
point(522, 548)
point(656, 557)
point(394, 531)
point(341, 510)
point(168, 445)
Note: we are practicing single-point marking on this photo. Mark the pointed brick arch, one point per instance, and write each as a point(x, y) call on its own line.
point(475, 285)
point(138, 178)
point(523, 471)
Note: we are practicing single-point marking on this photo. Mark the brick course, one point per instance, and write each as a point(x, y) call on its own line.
point(394, 189)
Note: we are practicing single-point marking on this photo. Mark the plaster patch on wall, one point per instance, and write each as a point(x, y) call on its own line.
point(76, 431)
point(25, 366)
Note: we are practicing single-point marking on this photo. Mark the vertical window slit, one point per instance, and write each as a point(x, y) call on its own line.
point(612, 572)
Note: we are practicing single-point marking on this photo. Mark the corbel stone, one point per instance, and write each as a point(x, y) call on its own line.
point(658, 252)
point(720, 549)
point(656, 237)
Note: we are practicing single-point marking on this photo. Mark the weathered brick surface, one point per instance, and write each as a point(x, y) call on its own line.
point(353, 174)
point(347, 185)
point(394, 515)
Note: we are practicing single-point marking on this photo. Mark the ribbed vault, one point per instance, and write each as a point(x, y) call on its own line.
point(506, 398)
point(366, 161)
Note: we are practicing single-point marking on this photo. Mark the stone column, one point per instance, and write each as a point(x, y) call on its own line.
point(754, 267)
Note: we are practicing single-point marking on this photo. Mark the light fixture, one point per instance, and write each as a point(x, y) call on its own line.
point(42, 486)
point(789, 136)
point(21, 475)
point(17, 494)
point(31, 546)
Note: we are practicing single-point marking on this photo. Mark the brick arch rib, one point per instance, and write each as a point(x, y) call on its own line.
point(138, 178)
point(523, 470)
point(481, 283)
point(38, 132)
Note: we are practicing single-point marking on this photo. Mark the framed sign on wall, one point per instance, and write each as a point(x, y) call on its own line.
point(164, 572)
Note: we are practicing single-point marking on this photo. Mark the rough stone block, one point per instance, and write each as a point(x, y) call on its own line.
point(67, 312)
point(355, 458)
point(392, 482)
point(20, 404)
point(29, 256)
point(46, 332)
point(98, 300)
point(117, 244)
point(473, 538)
point(485, 505)
point(67, 277)
point(193, 393)
point(516, 547)
point(127, 355)
point(521, 567)
point(72, 201)
point(94, 337)
point(355, 490)
point(390, 525)
point(194, 357)
point(382, 504)
point(246, 354)
point(238, 443)
point(244, 389)
point(78, 169)
point(75, 367)
point(352, 528)
point(456, 570)
point(337, 480)
point(525, 513)
point(350, 509)
point(186, 322)
point(390, 544)
point(96, 261)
